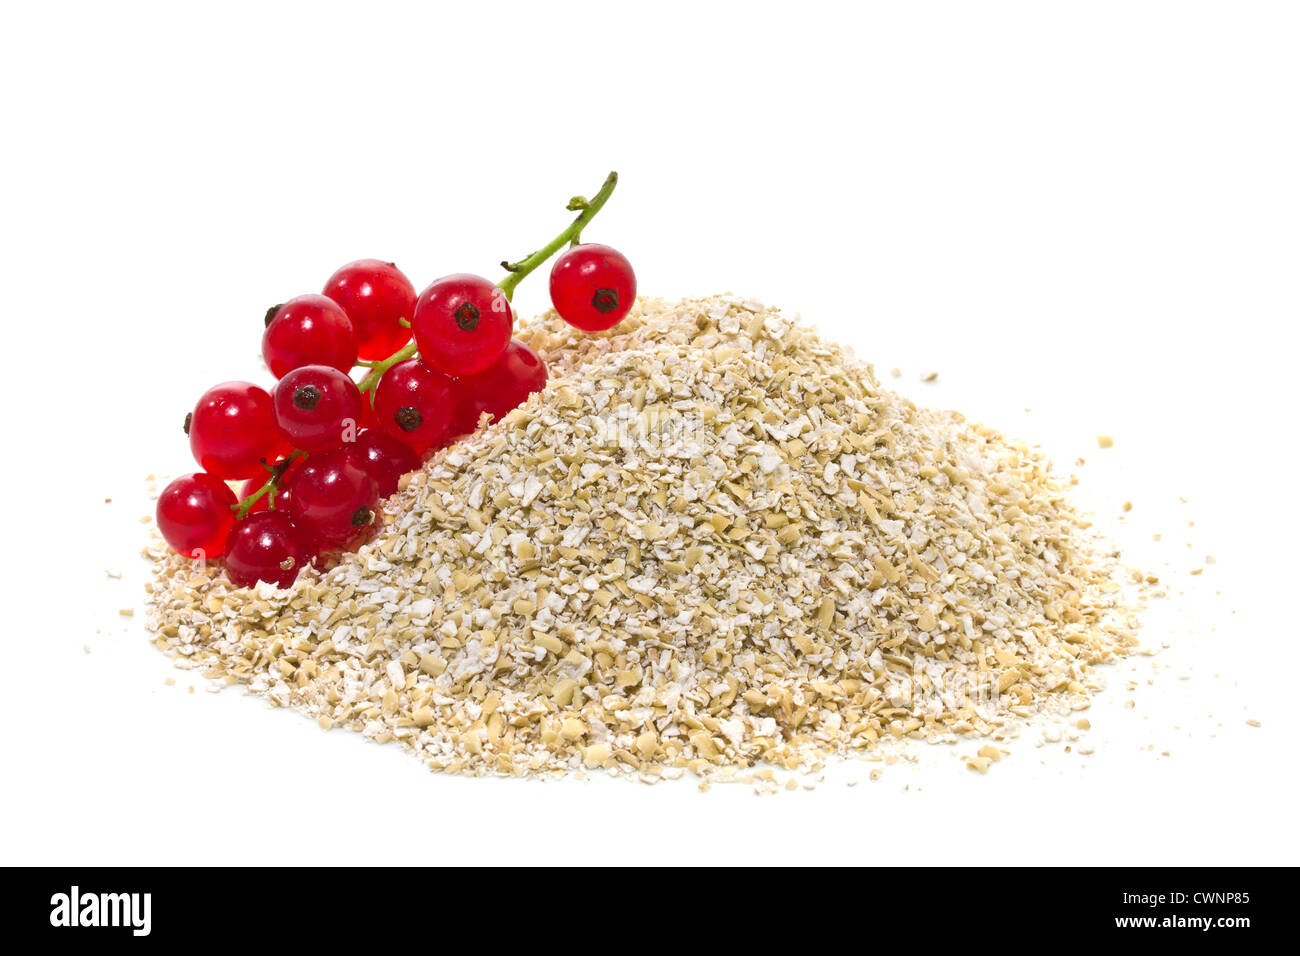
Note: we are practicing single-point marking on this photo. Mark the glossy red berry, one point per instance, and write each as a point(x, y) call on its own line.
point(592, 287)
point(462, 324)
point(308, 330)
point(368, 417)
point(267, 547)
point(384, 458)
point(232, 431)
point(333, 497)
point(413, 403)
point(376, 297)
point(194, 515)
point(501, 387)
point(317, 408)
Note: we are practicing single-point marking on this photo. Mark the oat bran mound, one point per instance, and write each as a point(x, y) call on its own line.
point(713, 541)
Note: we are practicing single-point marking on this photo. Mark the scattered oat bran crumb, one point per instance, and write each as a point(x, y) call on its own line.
point(980, 764)
point(930, 377)
point(1105, 441)
point(1128, 506)
point(127, 612)
point(170, 682)
point(895, 373)
point(1083, 723)
point(145, 519)
point(1252, 722)
point(991, 752)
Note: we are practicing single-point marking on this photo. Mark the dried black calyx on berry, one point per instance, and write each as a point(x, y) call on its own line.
point(466, 316)
point(408, 418)
point(306, 397)
point(362, 517)
point(605, 301)
point(189, 417)
point(270, 313)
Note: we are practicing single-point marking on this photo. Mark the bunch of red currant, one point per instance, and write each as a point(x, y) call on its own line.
point(317, 453)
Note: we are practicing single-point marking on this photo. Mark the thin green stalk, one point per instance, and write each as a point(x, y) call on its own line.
point(589, 207)
point(377, 369)
point(241, 508)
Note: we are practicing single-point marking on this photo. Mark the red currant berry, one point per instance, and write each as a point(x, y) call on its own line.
point(413, 403)
point(232, 431)
point(332, 496)
point(308, 330)
point(462, 324)
point(267, 547)
point(253, 485)
point(195, 516)
point(368, 417)
point(376, 297)
point(317, 407)
point(499, 388)
point(384, 458)
point(592, 287)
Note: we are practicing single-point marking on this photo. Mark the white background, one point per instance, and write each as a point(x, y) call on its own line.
point(1087, 210)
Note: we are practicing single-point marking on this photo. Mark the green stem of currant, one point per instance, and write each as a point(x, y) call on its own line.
point(242, 508)
point(377, 369)
point(516, 271)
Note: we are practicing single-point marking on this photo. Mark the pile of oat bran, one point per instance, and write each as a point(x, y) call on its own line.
point(713, 541)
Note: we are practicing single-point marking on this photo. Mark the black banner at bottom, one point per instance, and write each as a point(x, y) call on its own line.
point(960, 904)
